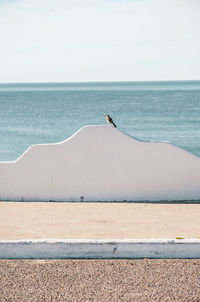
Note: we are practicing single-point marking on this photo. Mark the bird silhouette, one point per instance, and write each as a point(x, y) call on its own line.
point(109, 120)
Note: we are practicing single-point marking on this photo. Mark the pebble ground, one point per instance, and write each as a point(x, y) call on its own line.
point(99, 280)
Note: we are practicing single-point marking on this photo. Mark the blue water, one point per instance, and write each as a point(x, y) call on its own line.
point(51, 112)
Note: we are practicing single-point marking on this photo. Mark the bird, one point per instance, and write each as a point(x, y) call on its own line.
point(109, 120)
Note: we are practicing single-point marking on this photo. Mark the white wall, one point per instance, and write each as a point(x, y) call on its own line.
point(101, 163)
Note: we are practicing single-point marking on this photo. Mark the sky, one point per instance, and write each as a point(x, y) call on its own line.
point(99, 40)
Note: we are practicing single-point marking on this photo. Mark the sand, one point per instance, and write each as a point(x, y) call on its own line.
point(43, 220)
point(102, 280)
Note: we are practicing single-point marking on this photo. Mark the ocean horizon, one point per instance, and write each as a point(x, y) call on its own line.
point(35, 113)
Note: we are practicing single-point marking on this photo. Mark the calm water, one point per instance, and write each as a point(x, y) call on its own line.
point(149, 111)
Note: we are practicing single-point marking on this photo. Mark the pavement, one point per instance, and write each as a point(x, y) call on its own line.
point(51, 220)
point(100, 280)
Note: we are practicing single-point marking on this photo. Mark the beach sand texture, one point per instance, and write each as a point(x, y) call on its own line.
point(43, 220)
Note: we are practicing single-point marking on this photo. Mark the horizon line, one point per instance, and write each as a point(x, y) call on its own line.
point(97, 82)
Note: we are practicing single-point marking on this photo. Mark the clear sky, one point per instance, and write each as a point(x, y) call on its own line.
point(99, 40)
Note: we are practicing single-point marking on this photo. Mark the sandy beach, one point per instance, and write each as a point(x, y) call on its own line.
point(42, 220)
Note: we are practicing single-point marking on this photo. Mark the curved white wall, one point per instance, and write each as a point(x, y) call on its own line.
point(101, 163)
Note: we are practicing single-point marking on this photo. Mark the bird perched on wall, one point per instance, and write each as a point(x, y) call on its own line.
point(109, 120)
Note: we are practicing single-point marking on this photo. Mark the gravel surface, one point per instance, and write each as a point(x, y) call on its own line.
point(99, 280)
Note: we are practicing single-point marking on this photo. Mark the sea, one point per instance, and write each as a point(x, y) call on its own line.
point(35, 113)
